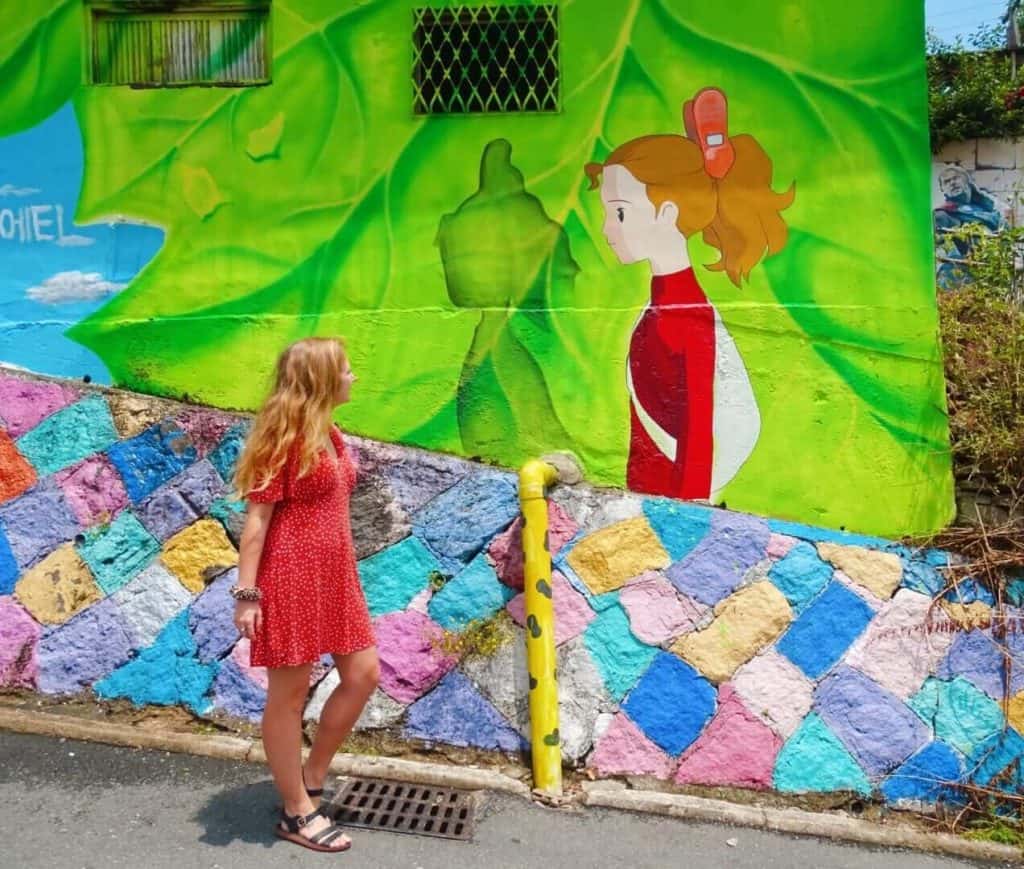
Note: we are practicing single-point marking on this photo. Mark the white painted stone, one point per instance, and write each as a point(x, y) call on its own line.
point(604, 721)
point(380, 711)
point(897, 650)
point(592, 509)
point(582, 698)
point(775, 691)
point(503, 679)
point(421, 601)
point(149, 601)
point(996, 154)
point(963, 153)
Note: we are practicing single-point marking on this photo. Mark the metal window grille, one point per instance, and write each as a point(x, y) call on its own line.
point(142, 43)
point(477, 59)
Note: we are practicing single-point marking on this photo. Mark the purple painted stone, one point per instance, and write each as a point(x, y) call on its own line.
point(165, 513)
point(93, 489)
point(978, 658)
point(200, 485)
point(237, 694)
point(205, 428)
point(454, 713)
point(411, 661)
point(26, 403)
point(19, 634)
point(877, 728)
point(37, 523)
point(716, 567)
point(83, 650)
point(414, 477)
point(211, 618)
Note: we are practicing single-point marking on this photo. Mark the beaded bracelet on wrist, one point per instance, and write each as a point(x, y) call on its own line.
point(246, 594)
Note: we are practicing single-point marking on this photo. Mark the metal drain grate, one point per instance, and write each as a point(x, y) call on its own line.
point(422, 810)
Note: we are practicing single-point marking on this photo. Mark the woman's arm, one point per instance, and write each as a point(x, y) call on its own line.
point(248, 615)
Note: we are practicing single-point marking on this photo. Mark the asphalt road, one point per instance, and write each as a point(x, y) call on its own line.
point(91, 806)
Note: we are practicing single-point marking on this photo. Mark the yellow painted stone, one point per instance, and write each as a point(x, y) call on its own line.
point(968, 616)
point(57, 587)
point(879, 572)
point(744, 624)
point(133, 413)
point(607, 559)
point(1015, 712)
point(198, 553)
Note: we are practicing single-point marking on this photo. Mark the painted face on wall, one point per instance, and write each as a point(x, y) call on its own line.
point(634, 228)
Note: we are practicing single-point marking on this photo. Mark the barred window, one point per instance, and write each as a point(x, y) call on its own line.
point(177, 43)
point(474, 59)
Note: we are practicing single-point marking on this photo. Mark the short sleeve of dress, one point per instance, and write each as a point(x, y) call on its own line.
point(277, 489)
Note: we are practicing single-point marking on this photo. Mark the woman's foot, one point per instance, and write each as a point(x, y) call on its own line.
point(313, 830)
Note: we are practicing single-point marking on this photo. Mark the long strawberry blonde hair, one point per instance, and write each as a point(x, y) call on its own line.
point(297, 413)
point(734, 206)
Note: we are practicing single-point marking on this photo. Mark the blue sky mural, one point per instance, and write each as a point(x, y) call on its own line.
point(52, 271)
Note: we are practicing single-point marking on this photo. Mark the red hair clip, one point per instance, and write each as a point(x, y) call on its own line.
point(706, 119)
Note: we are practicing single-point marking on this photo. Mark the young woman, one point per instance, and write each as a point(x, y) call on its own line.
point(298, 594)
point(694, 418)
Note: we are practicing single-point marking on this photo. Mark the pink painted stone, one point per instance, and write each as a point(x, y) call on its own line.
point(19, 634)
point(411, 659)
point(657, 612)
point(26, 403)
point(421, 601)
point(572, 612)
point(205, 428)
point(779, 545)
point(624, 750)
point(736, 749)
point(240, 654)
point(94, 489)
point(506, 550)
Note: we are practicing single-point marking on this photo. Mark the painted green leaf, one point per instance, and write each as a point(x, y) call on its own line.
point(338, 235)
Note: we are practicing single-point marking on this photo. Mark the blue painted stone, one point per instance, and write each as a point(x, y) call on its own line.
point(1015, 592)
point(85, 648)
point(415, 479)
point(9, 571)
point(680, 527)
point(801, 575)
point(200, 485)
point(456, 714)
point(211, 619)
point(68, 436)
point(814, 534)
point(37, 522)
point(925, 776)
point(165, 674)
point(978, 658)
point(231, 514)
point(476, 593)
point(392, 578)
point(969, 591)
point(117, 552)
point(458, 523)
point(878, 729)
point(922, 577)
point(237, 694)
point(998, 762)
point(671, 704)
point(150, 459)
point(165, 513)
point(936, 557)
point(813, 760)
point(717, 565)
point(825, 630)
point(620, 657)
point(225, 456)
point(959, 713)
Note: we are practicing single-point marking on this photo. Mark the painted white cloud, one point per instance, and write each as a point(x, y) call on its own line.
point(75, 241)
point(73, 287)
point(11, 190)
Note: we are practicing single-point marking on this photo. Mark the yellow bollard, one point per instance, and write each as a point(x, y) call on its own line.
point(534, 478)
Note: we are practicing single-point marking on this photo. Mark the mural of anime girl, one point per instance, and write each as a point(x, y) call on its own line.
point(694, 416)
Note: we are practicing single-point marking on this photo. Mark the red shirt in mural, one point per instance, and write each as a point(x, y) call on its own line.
point(671, 374)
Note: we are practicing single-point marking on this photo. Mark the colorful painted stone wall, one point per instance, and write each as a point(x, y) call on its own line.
point(171, 241)
point(695, 645)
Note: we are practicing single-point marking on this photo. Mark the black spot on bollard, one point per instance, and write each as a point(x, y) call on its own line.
point(533, 683)
point(534, 626)
point(552, 738)
point(544, 588)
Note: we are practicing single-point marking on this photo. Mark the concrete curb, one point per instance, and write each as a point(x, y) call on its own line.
point(251, 751)
point(610, 795)
point(614, 795)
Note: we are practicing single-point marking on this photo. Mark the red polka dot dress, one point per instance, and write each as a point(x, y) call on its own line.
point(312, 602)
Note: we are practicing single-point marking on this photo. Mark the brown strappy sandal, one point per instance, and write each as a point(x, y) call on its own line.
point(322, 841)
